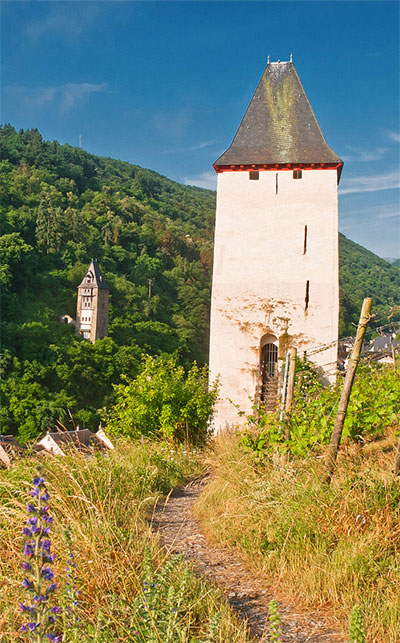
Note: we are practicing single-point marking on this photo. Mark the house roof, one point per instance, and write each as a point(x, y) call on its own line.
point(279, 125)
point(96, 278)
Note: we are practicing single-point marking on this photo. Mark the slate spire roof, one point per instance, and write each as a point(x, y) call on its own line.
point(94, 277)
point(279, 125)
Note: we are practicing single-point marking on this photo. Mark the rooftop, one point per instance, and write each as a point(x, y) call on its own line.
point(94, 277)
point(279, 126)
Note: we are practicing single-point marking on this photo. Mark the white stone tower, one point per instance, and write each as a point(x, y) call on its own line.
point(276, 265)
point(92, 304)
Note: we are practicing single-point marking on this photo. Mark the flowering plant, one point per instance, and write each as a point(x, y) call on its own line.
point(39, 575)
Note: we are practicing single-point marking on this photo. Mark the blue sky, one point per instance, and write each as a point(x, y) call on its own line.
point(165, 85)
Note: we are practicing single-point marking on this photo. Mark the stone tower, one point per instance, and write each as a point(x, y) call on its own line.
point(92, 304)
point(276, 267)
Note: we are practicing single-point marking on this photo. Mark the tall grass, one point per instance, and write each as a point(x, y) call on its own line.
point(326, 547)
point(100, 505)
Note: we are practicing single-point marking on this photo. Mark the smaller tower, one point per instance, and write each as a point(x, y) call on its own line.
point(92, 305)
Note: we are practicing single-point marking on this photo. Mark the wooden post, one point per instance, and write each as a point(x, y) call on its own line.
point(397, 463)
point(290, 389)
point(346, 391)
point(394, 358)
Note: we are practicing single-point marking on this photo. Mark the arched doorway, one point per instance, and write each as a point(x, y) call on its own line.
point(267, 393)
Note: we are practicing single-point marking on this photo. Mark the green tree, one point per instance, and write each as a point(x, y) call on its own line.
point(162, 400)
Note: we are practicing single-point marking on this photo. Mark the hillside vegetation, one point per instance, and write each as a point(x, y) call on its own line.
point(60, 207)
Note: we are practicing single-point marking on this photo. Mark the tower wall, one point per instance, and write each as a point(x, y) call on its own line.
point(99, 326)
point(260, 277)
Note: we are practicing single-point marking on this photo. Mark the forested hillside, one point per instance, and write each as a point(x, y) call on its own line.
point(364, 274)
point(62, 206)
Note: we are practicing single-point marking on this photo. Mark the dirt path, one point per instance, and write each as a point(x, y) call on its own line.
point(248, 593)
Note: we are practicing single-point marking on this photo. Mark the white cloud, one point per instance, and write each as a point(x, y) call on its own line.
point(73, 93)
point(173, 124)
point(394, 136)
point(206, 180)
point(63, 97)
point(201, 146)
point(373, 183)
point(360, 155)
point(185, 150)
point(68, 19)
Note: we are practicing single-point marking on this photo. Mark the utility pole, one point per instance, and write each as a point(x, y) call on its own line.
point(336, 436)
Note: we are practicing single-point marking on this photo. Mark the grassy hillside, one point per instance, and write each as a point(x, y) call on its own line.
point(61, 206)
point(114, 582)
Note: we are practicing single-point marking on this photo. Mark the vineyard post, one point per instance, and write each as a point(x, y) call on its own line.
point(290, 389)
point(397, 463)
point(336, 436)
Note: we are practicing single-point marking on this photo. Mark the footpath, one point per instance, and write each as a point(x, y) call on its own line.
point(247, 592)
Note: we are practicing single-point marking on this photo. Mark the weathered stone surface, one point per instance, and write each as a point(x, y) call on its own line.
point(247, 592)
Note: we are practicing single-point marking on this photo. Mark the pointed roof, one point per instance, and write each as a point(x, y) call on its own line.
point(93, 277)
point(279, 125)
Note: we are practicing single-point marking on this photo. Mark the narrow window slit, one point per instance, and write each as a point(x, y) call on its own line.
point(307, 297)
point(305, 240)
point(276, 183)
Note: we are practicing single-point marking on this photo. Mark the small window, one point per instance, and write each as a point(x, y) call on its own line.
point(254, 175)
point(276, 183)
point(307, 297)
point(305, 240)
point(297, 174)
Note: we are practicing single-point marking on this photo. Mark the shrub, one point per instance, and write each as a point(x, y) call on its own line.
point(163, 400)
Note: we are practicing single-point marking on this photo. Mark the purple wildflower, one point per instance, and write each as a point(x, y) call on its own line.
point(27, 584)
point(48, 558)
point(47, 573)
point(28, 549)
point(40, 582)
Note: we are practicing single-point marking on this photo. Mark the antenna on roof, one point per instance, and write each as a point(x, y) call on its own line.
point(268, 59)
point(291, 58)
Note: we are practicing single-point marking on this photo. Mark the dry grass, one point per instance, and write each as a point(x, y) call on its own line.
point(328, 548)
point(100, 506)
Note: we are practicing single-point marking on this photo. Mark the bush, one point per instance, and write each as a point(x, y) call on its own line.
point(374, 404)
point(163, 400)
